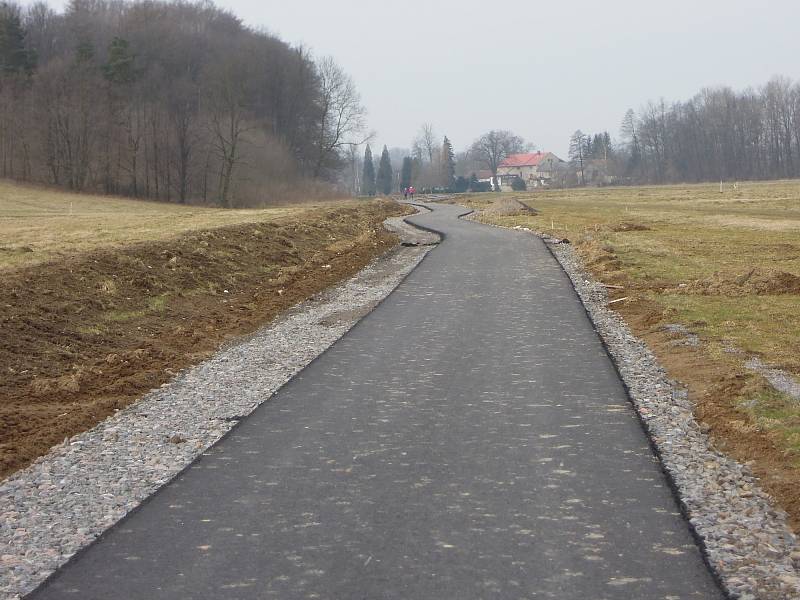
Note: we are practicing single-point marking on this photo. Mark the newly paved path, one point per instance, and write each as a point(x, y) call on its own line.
point(468, 439)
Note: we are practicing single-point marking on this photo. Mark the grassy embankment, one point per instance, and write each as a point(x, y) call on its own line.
point(724, 265)
point(104, 299)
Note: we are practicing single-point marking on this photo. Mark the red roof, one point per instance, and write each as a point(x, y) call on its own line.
point(530, 159)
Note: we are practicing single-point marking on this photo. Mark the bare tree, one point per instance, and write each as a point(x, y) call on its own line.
point(577, 151)
point(342, 121)
point(166, 99)
point(424, 145)
point(228, 100)
point(355, 165)
point(493, 147)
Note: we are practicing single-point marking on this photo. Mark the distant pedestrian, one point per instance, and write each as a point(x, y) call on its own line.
point(405, 193)
point(411, 192)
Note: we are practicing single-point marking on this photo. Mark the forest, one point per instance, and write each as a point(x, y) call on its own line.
point(173, 101)
point(719, 134)
point(180, 101)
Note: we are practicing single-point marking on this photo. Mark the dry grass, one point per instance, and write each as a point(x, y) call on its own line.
point(38, 224)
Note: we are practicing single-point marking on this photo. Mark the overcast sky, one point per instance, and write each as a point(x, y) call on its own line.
point(539, 68)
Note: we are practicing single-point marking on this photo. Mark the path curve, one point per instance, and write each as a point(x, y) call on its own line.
point(470, 438)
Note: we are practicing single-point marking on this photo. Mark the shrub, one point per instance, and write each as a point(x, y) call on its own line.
point(518, 185)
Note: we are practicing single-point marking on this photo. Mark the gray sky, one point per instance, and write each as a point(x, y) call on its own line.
point(542, 69)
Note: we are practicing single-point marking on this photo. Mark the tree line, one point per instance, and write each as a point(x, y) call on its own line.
point(719, 134)
point(173, 101)
point(434, 166)
point(437, 172)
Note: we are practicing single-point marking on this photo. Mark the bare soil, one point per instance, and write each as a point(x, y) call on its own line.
point(713, 386)
point(87, 335)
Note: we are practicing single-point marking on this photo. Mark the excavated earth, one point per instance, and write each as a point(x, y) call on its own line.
point(86, 336)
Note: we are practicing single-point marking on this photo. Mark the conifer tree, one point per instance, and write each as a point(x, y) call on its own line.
point(416, 170)
point(14, 57)
point(368, 175)
point(119, 69)
point(448, 163)
point(384, 179)
point(405, 173)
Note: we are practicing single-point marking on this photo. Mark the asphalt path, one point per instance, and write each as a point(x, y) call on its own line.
point(470, 438)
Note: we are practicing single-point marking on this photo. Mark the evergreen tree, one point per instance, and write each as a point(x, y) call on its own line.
point(448, 164)
point(368, 175)
point(84, 52)
point(629, 131)
point(461, 184)
point(119, 69)
point(14, 57)
point(406, 172)
point(588, 147)
point(383, 181)
point(602, 144)
point(416, 170)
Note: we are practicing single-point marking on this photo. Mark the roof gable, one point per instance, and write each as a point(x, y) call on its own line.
point(527, 159)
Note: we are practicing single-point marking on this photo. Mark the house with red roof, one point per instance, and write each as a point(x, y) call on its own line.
point(536, 169)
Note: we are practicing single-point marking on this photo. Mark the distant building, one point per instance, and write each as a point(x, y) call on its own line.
point(536, 169)
point(486, 177)
point(597, 172)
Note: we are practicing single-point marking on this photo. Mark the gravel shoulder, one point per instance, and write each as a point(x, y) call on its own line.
point(744, 536)
point(67, 498)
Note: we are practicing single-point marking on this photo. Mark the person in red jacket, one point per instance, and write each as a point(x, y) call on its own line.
point(411, 191)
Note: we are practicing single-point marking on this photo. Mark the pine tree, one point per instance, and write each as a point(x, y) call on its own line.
point(84, 52)
point(368, 175)
point(405, 173)
point(14, 57)
point(119, 69)
point(448, 163)
point(416, 170)
point(383, 181)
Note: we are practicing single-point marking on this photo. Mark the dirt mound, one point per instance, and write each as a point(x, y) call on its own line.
point(89, 334)
point(629, 226)
point(508, 207)
point(756, 281)
point(598, 257)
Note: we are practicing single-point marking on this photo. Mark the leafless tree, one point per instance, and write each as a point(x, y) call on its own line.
point(342, 117)
point(718, 134)
point(425, 145)
point(493, 147)
point(577, 152)
point(228, 99)
point(168, 100)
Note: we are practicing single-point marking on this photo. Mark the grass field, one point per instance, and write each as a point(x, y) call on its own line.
point(105, 298)
point(37, 224)
point(725, 266)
